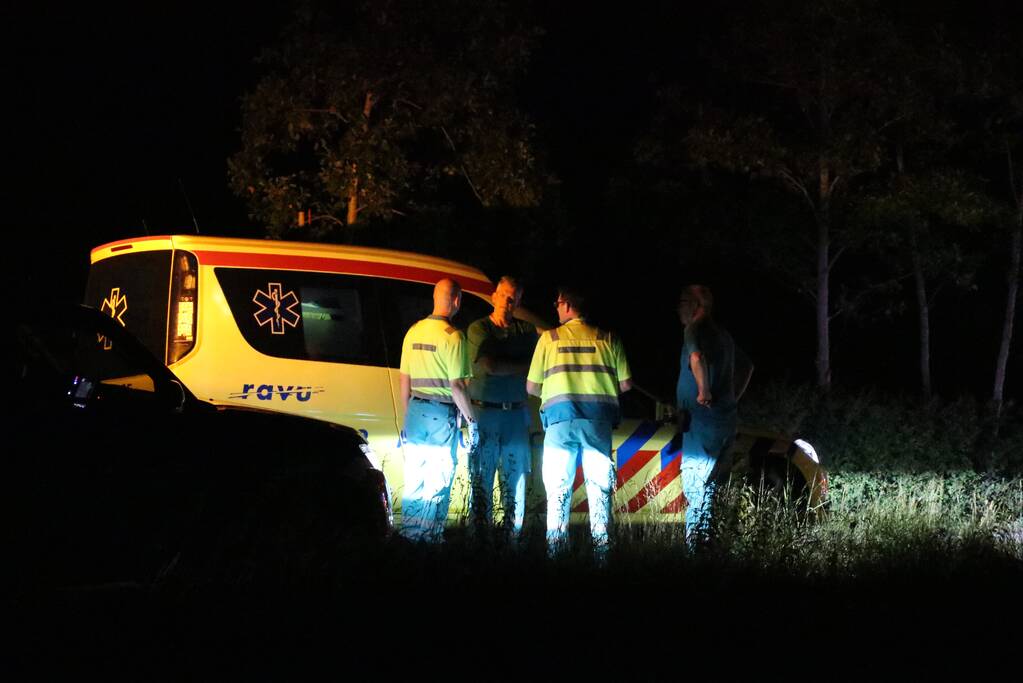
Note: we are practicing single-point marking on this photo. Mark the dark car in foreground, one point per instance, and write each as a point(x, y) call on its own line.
point(121, 475)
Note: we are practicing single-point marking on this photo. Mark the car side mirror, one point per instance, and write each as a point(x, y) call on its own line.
point(176, 396)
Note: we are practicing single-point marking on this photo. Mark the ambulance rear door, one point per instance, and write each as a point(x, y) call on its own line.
point(133, 287)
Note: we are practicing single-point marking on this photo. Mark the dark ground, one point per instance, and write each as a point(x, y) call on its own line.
point(400, 609)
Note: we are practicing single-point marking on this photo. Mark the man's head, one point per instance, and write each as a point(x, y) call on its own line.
point(571, 303)
point(695, 302)
point(506, 298)
point(447, 297)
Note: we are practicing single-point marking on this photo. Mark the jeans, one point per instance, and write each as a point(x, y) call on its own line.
point(704, 462)
point(430, 456)
point(503, 450)
point(564, 445)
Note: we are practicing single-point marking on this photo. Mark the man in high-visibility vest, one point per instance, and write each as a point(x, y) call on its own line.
point(578, 372)
point(713, 375)
point(434, 374)
point(501, 348)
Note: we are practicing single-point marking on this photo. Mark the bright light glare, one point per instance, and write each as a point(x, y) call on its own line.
point(808, 449)
point(370, 455)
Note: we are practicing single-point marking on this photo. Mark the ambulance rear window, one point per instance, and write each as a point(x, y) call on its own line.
point(304, 316)
point(133, 289)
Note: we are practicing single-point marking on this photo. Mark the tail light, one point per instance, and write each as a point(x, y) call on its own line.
point(183, 306)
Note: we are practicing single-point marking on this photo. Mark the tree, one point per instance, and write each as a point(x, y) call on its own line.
point(819, 95)
point(990, 98)
point(924, 206)
point(1004, 131)
point(926, 214)
point(392, 108)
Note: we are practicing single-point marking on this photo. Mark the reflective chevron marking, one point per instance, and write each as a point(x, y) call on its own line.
point(649, 480)
point(657, 484)
point(635, 441)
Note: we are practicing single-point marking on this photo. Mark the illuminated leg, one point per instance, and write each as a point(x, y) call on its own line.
point(704, 454)
point(413, 520)
point(482, 466)
point(516, 459)
point(429, 468)
point(598, 471)
point(559, 459)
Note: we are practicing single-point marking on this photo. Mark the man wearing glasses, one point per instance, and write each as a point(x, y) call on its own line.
point(714, 373)
point(578, 371)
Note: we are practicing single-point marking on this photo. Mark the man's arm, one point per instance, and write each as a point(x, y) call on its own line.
point(499, 366)
point(533, 389)
point(404, 390)
point(526, 315)
point(460, 394)
point(698, 364)
point(622, 367)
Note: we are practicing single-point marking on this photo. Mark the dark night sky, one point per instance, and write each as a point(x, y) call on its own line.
point(109, 110)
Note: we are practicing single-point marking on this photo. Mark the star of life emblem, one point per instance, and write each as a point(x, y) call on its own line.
point(275, 308)
point(115, 305)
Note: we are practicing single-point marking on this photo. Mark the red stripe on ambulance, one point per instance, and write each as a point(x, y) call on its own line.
point(323, 264)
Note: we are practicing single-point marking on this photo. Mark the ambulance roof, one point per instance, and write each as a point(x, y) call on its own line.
point(306, 256)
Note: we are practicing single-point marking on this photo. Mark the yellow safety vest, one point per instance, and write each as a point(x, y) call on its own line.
point(579, 367)
point(433, 355)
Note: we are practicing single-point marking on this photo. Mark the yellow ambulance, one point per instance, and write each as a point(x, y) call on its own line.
point(316, 330)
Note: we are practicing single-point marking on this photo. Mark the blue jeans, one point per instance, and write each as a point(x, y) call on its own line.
point(704, 462)
point(431, 437)
point(503, 450)
point(564, 445)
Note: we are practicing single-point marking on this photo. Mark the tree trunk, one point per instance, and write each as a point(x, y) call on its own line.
point(353, 192)
point(923, 308)
point(823, 283)
point(1012, 295)
point(353, 198)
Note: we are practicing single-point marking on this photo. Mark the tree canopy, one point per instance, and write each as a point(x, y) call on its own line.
point(388, 108)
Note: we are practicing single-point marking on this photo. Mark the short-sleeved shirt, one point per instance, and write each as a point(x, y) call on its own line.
point(511, 344)
point(580, 367)
point(433, 355)
point(715, 345)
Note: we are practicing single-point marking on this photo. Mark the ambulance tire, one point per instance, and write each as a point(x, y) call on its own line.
point(775, 478)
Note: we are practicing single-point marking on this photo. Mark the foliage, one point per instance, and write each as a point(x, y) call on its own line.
point(388, 109)
point(873, 433)
point(943, 207)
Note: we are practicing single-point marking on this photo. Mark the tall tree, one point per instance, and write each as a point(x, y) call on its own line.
point(927, 209)
point(1005, 131)
point(386, 108)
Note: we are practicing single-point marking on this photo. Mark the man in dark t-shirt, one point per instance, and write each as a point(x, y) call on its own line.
point(500, 348)
point(713, 374)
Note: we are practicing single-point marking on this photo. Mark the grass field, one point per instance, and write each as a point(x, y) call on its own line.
point(917, 556)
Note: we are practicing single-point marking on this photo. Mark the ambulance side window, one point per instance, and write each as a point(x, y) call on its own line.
point(403, 303)
point(305, 316)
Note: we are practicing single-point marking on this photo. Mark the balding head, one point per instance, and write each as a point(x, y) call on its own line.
point(702, 295)
point(695, 302)
point(447, 297)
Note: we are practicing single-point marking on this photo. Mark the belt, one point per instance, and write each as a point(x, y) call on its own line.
point(507, 405)
point(438, 401)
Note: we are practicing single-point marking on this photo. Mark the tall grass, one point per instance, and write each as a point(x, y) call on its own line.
point(906, 498)
point(874, 524)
